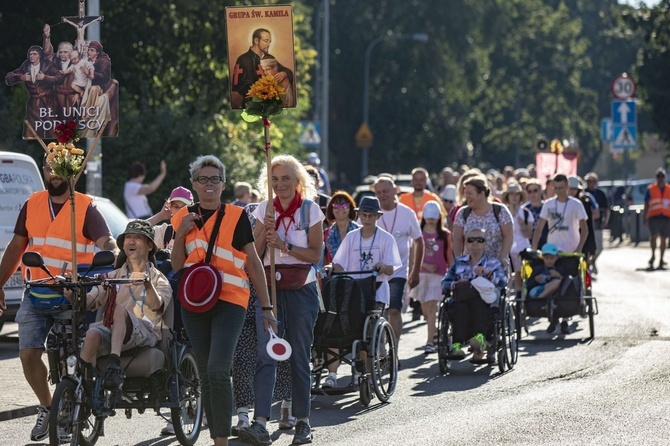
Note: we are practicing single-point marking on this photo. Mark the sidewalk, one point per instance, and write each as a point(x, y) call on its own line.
point(17, 398)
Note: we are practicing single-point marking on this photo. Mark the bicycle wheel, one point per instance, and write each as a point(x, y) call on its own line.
point(187, 418)
point(69, 421)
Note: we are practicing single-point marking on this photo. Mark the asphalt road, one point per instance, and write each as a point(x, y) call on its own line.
point(563, 391)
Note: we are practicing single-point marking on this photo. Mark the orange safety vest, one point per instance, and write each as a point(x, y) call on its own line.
point(226, 259)
point(52, 239)
point(659, 202)
point(409, 201)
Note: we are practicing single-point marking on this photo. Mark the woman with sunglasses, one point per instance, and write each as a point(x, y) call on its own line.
point(534, 205)
point(341, 214)
point(472, 317)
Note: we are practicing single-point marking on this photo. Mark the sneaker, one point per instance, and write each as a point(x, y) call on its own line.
point(287, 422)
point(429, 348)
point(303, 433)
point(552, 326)
point(456, 351)
point(235, 430)
point(564, 327)
point(255, 434)
point(331, 381)
point(41, 429)
point(114, 375)
point(168, 429)
point(478, 343)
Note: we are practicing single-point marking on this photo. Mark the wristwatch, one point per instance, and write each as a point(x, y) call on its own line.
point(289, 247)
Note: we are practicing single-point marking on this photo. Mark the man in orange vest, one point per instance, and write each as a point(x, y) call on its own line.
point(657, 216)
point(417, 199)
point(44, 226)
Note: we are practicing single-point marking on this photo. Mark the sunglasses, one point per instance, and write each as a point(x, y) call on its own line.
point(532, 191)
point(341, 205)
point(476, 240)
point(205, 180)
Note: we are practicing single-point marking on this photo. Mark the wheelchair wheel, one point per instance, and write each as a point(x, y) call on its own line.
point(510, 339)
point(384, 356)
point(444, 338)
point(70, 422)
point(187, 418)
point(365, 391)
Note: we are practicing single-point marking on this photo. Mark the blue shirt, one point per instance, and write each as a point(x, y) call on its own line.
point(461, 269)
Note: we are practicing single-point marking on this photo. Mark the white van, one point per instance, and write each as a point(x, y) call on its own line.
point(19, 178)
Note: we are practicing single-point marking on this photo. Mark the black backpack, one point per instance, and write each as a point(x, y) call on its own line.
point(497, 208)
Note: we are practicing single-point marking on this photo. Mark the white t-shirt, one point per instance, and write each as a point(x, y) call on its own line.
point(359, 254)
point(520, 241)
point(137, 206)
point(159, 237)
point(402, 224)
point(293, 233)
point(563, 222)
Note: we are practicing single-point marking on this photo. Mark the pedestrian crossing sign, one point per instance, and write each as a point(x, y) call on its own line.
point(624, 136)
point(311, 134)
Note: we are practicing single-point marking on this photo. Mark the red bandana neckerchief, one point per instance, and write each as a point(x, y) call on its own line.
point(288, 213)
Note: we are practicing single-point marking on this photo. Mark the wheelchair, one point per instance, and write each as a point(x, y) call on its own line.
point(579, 302)
point(504, 339)
point(161, 377)
point(353, 331)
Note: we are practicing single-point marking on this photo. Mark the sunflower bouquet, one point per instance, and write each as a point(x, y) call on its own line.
point(264, 98)
point(64, 157)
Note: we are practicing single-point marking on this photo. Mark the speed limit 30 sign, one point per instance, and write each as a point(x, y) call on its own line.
point(623, 87)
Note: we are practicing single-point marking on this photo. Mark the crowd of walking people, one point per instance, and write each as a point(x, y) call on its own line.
point(420, 245)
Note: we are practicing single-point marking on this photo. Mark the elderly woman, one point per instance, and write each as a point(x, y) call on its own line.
point(340, 214)
point(470, 315)
point(297, 245)
point(480, 213)
point(214, 327)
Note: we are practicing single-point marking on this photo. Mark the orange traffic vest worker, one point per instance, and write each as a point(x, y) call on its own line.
point(226, 259)
point(410, 201)
point(52, 237)
point(659, 202)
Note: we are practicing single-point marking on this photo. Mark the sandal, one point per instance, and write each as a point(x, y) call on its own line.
point(287, 422)
point(235, 430)
point(114, 375)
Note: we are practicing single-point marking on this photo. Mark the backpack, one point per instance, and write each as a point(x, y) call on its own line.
point(497, 208)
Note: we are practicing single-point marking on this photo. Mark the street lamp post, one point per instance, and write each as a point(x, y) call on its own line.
point(419, 37)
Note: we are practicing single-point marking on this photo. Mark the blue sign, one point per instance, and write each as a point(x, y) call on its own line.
point(606, 130)
point(310, 135)
point(624, 136)
point(623, 112)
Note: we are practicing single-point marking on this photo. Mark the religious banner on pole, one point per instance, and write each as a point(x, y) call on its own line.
point(260, 43)
point(548, 164)
point(71, 82)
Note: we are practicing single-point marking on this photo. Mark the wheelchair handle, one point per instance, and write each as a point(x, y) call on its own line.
point(374, 272)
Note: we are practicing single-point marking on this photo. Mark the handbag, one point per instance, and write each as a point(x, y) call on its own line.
point(464, 291)
point(289, 277)
point(201, 295)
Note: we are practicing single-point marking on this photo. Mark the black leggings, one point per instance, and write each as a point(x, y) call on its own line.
point(469, 317)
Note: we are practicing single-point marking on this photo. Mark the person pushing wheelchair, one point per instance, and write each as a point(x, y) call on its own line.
point(475, 282)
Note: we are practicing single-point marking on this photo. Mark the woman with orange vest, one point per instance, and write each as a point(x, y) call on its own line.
point(214, 298)
point(657, 215)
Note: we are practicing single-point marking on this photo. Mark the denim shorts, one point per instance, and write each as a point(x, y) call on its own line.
point(35, 323)
point(397, 289)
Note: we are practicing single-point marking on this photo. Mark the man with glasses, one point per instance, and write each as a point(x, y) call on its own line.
point(657, 216)
point(600, 222)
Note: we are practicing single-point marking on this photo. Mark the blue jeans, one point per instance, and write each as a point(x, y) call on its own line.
point(297, 312)
point(213, 335)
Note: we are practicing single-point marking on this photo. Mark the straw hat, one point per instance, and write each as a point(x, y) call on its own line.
point(513, 188)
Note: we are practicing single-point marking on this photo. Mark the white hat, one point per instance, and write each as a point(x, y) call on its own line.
point(313, 159)
point(431, 210)
point(486, 289)
point(449, 192)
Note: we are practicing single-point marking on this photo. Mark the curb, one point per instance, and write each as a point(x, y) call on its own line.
point(6, 415)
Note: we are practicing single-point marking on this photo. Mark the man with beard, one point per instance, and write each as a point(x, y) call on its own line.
point(44, 226)
point(417, 199)
point(248, 68)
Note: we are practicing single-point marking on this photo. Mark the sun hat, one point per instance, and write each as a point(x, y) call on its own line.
point(550, 248)
point(181, 194)
point(199, 288)
point(431, 210)
point(514, 188)
point(449, 192)
point(369, 204)
point(486, 289)
point(138, 227)
point(574, 183)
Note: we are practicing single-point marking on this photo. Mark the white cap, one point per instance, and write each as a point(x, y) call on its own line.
point(449, 192)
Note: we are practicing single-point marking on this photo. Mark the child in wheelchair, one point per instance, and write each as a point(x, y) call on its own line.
point(475, 282)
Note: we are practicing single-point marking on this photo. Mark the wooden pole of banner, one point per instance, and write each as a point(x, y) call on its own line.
point(270, 209)
point(32, 130)
point(92, 149)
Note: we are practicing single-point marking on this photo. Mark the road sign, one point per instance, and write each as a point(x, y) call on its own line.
point(623, 112)
point(364, 137)
point(624, 136)
point(606, 130)
point(623, 87)
point(311, 134)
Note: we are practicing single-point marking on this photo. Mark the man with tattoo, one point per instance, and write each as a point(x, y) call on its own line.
point(43, 226)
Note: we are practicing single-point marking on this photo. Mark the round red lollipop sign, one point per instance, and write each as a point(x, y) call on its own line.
point(623, 87)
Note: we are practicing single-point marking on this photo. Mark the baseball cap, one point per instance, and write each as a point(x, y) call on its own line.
point(181, 194)
point(449, 192)
point(431, 210)
point(574, 183)
point(550, 248)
